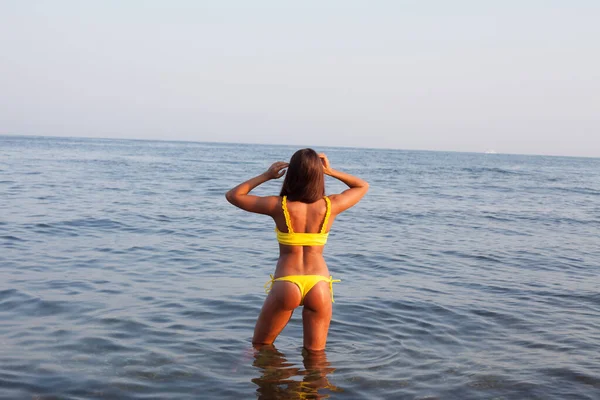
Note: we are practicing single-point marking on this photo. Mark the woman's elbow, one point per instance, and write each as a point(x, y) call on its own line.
point(230, 197)
point(234, 198)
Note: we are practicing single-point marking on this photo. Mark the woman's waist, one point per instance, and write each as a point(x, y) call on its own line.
point(293, 266)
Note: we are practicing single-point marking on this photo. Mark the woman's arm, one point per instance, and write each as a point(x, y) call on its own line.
point(239, 197)
point(349, 197)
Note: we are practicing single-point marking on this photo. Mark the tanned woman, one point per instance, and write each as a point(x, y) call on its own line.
point(303, 216)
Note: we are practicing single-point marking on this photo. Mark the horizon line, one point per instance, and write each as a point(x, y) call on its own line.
point(298, 145)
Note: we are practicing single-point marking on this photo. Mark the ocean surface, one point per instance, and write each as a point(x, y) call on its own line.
point(125, 274)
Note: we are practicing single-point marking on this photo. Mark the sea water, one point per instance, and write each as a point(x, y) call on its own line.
point(124, 273)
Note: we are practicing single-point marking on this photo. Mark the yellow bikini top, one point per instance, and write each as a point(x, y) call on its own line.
point(292, 238)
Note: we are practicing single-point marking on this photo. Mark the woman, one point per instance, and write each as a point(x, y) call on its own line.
point(303, 216)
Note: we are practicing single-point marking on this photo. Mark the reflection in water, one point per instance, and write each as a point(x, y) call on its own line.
point(281, 379)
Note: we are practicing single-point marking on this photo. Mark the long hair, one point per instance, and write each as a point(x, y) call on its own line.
point(304, 180)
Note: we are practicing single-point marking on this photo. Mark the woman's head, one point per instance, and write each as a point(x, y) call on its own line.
point(304, 180)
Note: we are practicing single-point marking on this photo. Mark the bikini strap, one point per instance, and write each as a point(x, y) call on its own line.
point(327, 213)
point(286, 214)
point(331, 281)
point(269, 284)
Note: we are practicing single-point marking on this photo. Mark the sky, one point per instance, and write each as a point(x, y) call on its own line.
point(512, 76)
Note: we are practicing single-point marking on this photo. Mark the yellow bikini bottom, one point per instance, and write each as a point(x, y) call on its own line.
point(304, 283)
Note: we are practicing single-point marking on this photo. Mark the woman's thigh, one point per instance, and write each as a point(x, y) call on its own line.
point(316, 316)
point(277, 310)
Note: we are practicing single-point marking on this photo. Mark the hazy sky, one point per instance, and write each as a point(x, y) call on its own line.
point(518, 76)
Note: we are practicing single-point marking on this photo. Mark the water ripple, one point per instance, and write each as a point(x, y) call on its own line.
point(124, 273)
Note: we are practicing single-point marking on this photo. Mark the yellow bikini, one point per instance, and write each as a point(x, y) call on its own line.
point(304, 283)
point(291, 238)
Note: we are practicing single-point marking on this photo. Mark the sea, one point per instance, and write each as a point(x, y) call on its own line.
point(125, 274)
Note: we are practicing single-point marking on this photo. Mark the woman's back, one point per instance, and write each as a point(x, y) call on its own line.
point(303, 220)
point(304, 217)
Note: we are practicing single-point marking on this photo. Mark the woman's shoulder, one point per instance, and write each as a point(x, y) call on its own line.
point(261, 204)
point(332, 197)
point(340, 202)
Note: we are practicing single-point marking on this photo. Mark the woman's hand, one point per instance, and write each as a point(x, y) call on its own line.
point(326, 167)
point(277, 170)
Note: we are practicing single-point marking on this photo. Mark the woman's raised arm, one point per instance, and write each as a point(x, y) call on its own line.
point(349, 197)
point(239, 197)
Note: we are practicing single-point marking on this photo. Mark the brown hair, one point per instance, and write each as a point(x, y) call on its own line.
point(304, 180)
